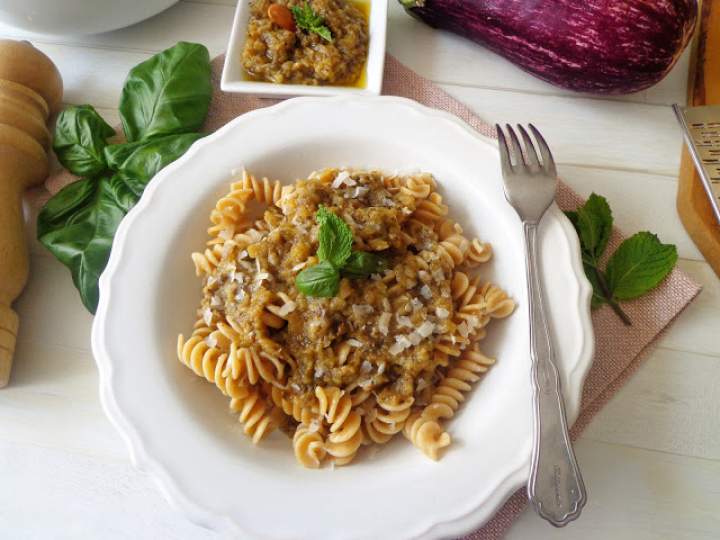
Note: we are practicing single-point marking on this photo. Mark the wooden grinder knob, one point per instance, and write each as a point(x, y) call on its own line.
point(30, 89)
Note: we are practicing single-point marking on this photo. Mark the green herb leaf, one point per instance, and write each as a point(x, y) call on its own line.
point(335, 238)
point(144, 160)
point(321, 280)
point(639, 265)
point(307, 19)
point(361, 264)
point(594, 225)
point(594, 276)
point(163, 98)
point(79, 140)
point(167, 94)
point(78, 225)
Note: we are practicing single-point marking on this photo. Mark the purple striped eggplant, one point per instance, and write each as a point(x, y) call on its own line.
point(598, 46)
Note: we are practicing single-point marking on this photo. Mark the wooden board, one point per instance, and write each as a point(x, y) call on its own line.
point(693, 204)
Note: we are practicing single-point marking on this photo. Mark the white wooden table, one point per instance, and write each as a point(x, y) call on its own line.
point(651, 458)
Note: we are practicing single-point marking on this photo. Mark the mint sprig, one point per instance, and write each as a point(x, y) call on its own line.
point(336, 257)
point(307, 19)
point(638, 265)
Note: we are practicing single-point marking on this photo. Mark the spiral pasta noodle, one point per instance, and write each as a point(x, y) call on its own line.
point(392, 351)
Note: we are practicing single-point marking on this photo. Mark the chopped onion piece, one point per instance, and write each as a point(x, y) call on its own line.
point(442, 313)
point(355, 343)
point(299, 266)
point(415, 303)
point(415, 338)
point(207, 316)
point(395, 349)
point(242, 255)
point(365, 367)
point(211, 340)
point(362, 309)
point(426, 292)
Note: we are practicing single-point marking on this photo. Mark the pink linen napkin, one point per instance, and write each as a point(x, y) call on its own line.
point(619, 349)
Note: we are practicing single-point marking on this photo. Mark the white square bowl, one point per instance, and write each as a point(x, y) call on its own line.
point(235, 80)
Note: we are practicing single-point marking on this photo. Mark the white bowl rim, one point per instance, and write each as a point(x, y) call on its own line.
point(143, 461)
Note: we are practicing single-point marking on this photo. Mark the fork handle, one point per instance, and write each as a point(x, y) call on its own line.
point(556, 487)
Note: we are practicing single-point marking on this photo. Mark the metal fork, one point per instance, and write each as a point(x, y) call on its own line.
point(556, 487)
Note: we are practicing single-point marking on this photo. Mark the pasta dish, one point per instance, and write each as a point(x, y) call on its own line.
point(350, 312)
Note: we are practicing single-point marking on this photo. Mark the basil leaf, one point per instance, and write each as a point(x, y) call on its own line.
point(78, 225)
point(79, 140)
point(594, 226)
point(639, 265)
point(361, 264)
point(167, 94)
point(335, 238)
point(321, 280)
point(116, 154)
point(144, 160)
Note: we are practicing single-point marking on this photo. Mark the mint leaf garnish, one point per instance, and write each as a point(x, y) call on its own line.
point(307, 19)
point(321, 280)
point(361, 264)
point(335, 238)
point(639, 264)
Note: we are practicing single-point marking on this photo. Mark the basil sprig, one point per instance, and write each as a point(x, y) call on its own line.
point(164, 101)
point(336, 258)
point(638, 265)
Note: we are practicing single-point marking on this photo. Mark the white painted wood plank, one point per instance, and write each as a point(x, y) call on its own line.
point(639, 202)
point(440, 56)
point(52, 401)
point(92, 75)
point(636, 494)
point(671, 404)
point(698, 328)
point(199, 22)
point(50, 309)
point(588, 132)
point(65, 496)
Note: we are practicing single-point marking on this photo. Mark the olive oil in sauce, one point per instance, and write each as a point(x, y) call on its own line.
point(363, 6)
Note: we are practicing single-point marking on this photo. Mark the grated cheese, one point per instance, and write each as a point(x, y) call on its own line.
point(426, 329)
point(286, 308)
point(384, 322)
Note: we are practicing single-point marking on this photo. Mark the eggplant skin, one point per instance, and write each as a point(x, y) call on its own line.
point(596, 46)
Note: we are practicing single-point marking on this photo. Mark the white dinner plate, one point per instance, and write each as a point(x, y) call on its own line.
point(178, 427)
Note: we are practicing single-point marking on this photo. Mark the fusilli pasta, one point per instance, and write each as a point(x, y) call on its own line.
point(392, 351)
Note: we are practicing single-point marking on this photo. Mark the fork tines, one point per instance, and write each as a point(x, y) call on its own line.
point(516, 159)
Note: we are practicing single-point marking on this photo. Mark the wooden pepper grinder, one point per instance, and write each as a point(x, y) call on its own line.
point(30, 90)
